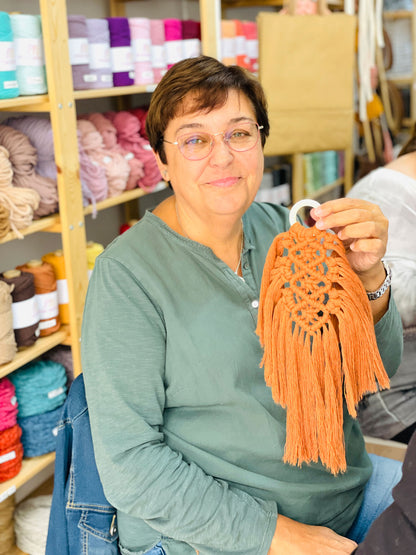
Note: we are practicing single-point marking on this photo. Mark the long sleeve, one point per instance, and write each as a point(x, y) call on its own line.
point(389, 335)
point(124, 358)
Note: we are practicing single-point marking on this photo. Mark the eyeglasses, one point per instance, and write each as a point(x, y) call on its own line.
point(198, 145)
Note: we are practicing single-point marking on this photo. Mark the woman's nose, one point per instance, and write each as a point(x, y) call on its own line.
point(221, 153)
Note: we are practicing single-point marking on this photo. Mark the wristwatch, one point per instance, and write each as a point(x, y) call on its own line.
point(373, 295)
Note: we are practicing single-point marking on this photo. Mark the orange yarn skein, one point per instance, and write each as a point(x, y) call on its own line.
point(317, 330)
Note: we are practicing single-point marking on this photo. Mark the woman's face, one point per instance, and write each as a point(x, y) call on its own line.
point(225, 182)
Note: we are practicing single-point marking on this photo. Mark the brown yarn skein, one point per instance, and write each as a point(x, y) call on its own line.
point(8, 346)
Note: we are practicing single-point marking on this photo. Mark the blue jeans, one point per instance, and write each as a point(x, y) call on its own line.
point(377, 495)
point(156, 550)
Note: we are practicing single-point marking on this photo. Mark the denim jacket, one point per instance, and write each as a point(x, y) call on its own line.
point(81, 520)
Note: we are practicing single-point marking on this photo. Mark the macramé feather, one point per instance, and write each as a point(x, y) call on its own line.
point(316, 327)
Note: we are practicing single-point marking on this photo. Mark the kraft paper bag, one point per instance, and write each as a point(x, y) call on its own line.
point(306, 66)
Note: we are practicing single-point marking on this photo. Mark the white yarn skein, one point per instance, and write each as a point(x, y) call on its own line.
point(31, 520)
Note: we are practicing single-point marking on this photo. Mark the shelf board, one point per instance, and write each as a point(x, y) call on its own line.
point(30, 468)
point(113, 91)
point(35, 103)
point(42, 345)
point(327, 188)
point(43, 224)
point(400, 79)
point(399, 14)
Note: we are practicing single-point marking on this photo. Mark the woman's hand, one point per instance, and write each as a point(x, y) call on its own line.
point(301, 539)
point(360, 225)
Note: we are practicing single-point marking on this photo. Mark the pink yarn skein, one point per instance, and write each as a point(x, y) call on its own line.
point(92, 176)
point(128, 135)
point(8, 404)
point(109, 134)
point(115, 165)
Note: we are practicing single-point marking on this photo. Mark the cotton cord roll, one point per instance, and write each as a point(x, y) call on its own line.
point(11, 452)
point(99, 53)
point(128, 136)
point(8, 404)
point(46, 291)
point(242, 58)
point(79, 52)
point(228, 42)
point(93, 250)
point(21, 203)
point(121, 51)
point(92, 176)
point(4, 221)
point(57, 260)
point(8, 347)
point(63, 355)
point(30, 60)
point(116, 167)
point(9, 87)
point(191, 38)
point(109, 135)
point(141, 46)
point(39, 132)
point(23, 158)
point(252, 44)
point(31, 520)
point(39, 432)
point(158, 52)
point(40, 387)
point(173, 41)
point(7, 507)
point(24, 307)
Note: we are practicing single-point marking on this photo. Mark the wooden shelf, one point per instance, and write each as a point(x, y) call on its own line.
point(30, 468)
point(113, 91)
point(42, 345)
point(43, 224)
point(327, 188)
point(399, 14)
point(400, 79)
point(35, 103)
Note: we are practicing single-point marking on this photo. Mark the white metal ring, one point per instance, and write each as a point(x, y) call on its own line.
point(300, 204)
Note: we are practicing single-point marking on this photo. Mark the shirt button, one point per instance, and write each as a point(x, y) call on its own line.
point(246, 266)
point(255, 304)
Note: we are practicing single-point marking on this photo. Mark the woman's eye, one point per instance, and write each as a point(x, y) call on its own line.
point(196, 140)
point(239, 133)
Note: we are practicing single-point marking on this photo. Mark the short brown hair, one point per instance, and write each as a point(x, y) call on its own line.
point(209, 82)
point(410, 145)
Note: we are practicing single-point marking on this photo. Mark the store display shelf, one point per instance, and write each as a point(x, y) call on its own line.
point(399, 14)
point(400, 80)
point(35, 103)
point(42, 345)
point(30, 468)
point(43, 224)
point(327, 188)
point(114, 91)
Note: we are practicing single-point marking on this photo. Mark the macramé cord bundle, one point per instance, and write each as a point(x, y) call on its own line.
point(317, 330)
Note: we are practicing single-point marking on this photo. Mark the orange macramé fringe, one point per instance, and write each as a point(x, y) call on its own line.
point(316, 327)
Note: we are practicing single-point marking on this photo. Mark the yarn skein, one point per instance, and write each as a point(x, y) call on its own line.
point(21, 203)
point(46, 291)
point(30, 60)
point(109, 135)
point(40, 387)
point(31, 520)
point(57, 260)
point(23, 158)
point(9, 87)
point(316, 326)
point(116, 167)
point(128, 136)
point(63, 355)
point(173, 41)
point(11, 452)
point(4, 221)
point(121, 51)
point(39, 432)
point(24, 307)
point(99, 53)
point(40, 134)
point(8, 404)
point(7, 507)
point(8, 347)
point(79, 52)
point(141, 45)
point(93, 250)
point(93, 179)
point(158, 52)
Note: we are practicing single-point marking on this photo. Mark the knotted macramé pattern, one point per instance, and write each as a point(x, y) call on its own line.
point(316, 327)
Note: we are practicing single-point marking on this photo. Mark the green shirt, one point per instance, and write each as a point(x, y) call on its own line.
point(188, 440)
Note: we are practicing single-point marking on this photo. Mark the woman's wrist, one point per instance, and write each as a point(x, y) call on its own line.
point(379, 292)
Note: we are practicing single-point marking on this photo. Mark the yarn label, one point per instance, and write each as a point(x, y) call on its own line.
point(7, 457)
point(46, 324)
point(7, 493)
point(252, 48)
point(55, 392)
point(29, 52)
point(25, 313)
point(121, 59)
point(48, 305)
point(191, 48)
point(158, 56)
point(141, 49)
point(228, 47)
point(78, 51)
point(173, 51)
point(62, 287)
point(100, 57)
point(10, 85)
point(240, 45)
point(7, 56)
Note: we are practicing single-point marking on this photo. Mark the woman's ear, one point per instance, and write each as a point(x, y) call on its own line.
point(162, 167)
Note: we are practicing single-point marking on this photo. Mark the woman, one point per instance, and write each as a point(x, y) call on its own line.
point(188, 440)
point(391, 414)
